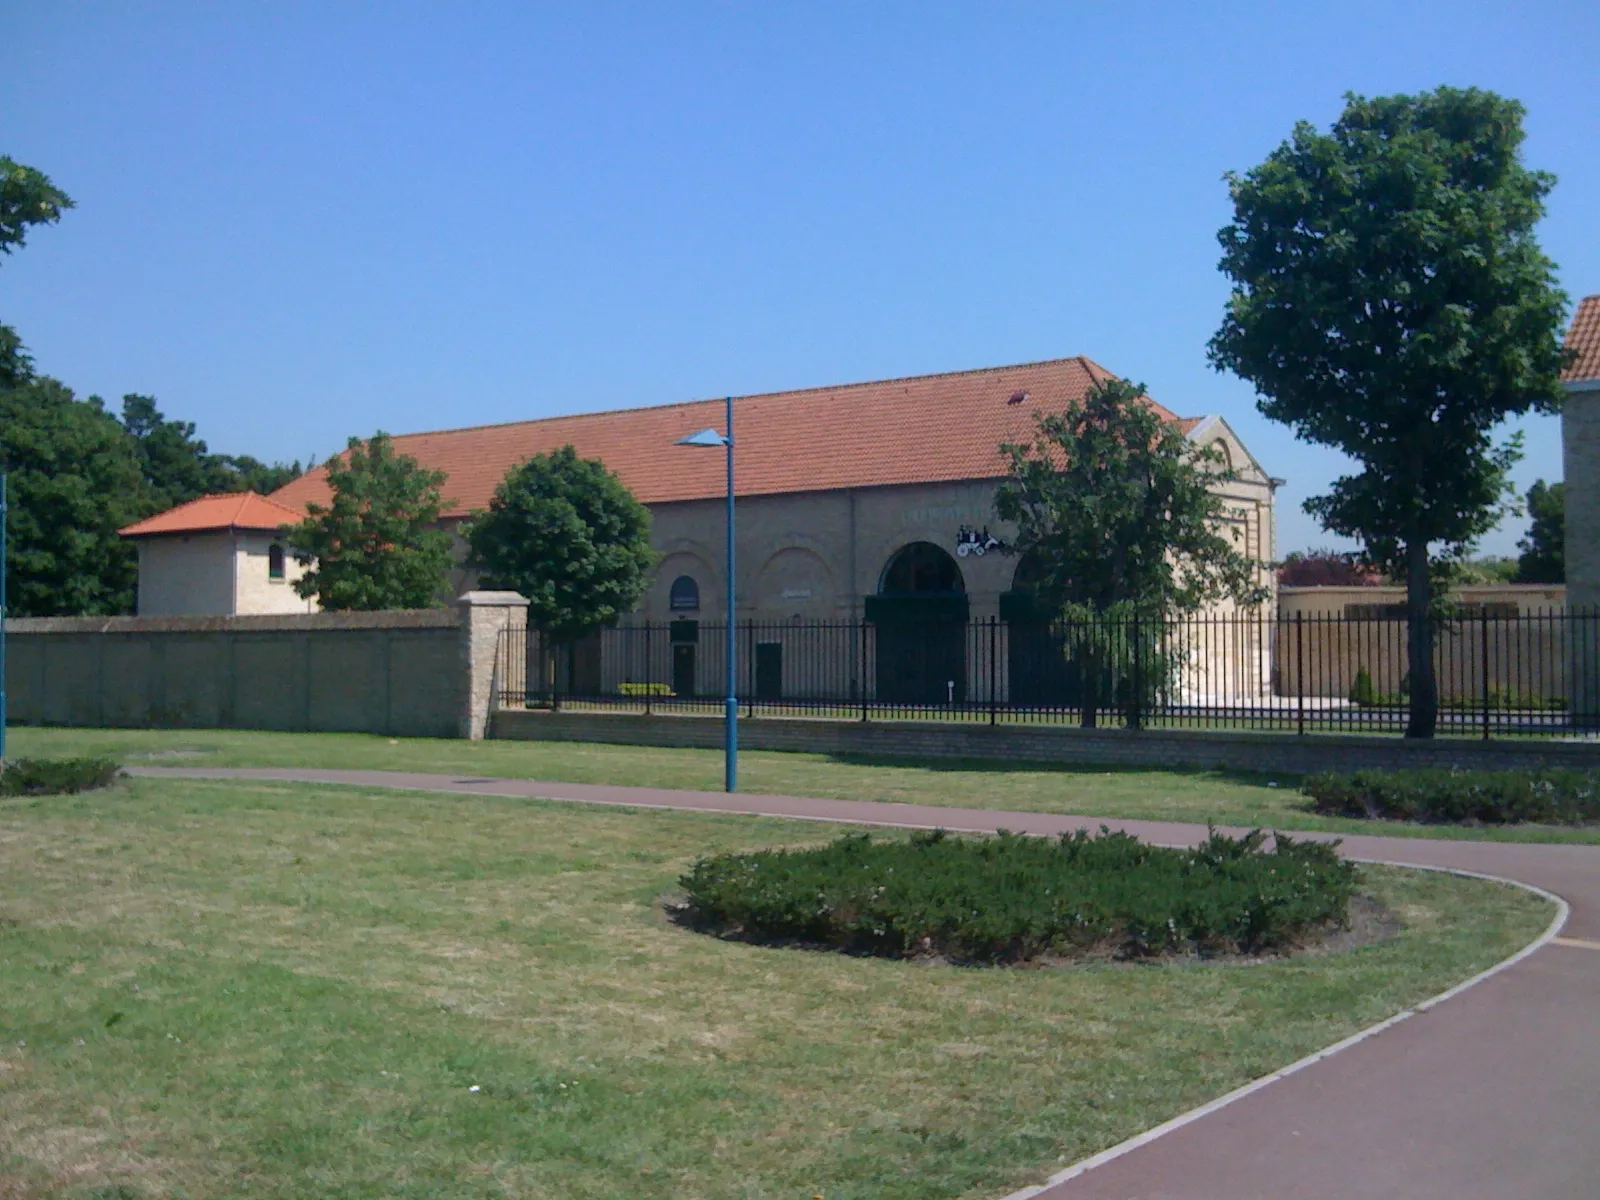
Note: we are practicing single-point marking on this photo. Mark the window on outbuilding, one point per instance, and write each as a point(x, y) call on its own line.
point(274, 561)
point(685, 595)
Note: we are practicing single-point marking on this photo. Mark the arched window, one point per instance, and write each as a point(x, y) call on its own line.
point(921, 568)
point(274, 561)
point(684, 596)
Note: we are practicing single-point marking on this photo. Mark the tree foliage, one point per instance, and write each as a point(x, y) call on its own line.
point(73, 481)
point(569, 535)
point(1544, 551)
point(1115, 508)
point(27, 198)
point(1390, 300)
point(1121, 527)
point(377, 545)
point(1326, 568)
point(177, 466)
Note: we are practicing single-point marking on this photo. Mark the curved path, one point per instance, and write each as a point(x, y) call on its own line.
point(1493, 1094)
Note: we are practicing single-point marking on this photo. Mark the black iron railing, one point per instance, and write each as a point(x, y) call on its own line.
point(1497, 674)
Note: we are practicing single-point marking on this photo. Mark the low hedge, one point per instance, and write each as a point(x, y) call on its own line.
point(1551, 797)
point(1013, 898)
point(54, 776)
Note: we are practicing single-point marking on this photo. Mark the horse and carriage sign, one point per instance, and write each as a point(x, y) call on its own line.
point(970, 542)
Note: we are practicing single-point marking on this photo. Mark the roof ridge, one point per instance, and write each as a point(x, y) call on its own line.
point(1089, 365)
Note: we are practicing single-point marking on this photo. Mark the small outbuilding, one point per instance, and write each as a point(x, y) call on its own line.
point(218, 556)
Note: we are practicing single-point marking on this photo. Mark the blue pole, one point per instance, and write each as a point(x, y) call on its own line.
point(3, 522)
point(730, 770)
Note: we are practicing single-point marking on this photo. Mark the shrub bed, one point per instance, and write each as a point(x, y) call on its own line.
point(1012, 898)
point(54, 776)
point(1553, 797)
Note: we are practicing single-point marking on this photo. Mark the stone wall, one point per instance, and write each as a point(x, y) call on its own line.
point(917, 740)
point(417, 673)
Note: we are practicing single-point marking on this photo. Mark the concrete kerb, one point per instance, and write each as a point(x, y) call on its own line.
point(1551, 932)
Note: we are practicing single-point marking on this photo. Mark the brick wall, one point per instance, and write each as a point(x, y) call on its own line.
point(1152, 748)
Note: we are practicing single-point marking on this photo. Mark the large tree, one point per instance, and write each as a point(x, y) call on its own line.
point(1544, 550)
point(1118, 515)
point(27, 197)
point(568, 534)
point(1390, 300)
point(178, 466)
point(378, 544)
point(73, 481)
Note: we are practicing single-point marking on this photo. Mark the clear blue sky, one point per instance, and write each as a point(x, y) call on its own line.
point(298, 222)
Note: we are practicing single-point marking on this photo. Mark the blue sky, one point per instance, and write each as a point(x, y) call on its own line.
point(298, 222)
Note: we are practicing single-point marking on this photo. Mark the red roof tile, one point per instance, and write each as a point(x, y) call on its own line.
point(234, 510)
point(928, 428)
point(1584, 337)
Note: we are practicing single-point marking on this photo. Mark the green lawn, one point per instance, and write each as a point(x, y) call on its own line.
point(272, 990)
point(1222, 797)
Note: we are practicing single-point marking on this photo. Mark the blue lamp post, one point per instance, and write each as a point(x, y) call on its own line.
point(730, 768)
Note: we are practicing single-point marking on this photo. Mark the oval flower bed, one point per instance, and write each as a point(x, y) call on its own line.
point(1011, 898)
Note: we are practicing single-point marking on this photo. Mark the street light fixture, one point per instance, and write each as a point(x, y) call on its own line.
point(730, 768)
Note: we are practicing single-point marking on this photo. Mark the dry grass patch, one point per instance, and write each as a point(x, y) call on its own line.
point(283, 991)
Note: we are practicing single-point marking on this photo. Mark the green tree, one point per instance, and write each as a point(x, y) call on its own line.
point(27, 198)
point(73, 482)
point(1544, 550)
point(177, 466)
point(377, 545)
point(567, 534)
point(1390, 300)
point(1117, 513)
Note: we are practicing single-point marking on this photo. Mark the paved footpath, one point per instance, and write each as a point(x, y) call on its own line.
point(1493, 1094)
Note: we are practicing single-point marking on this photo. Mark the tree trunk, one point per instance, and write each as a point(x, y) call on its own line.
point(1424, 714)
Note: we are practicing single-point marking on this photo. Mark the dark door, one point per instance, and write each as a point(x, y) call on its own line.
point(683, 669)
point(1041, 673)
point(769, 670)
point(921, 663)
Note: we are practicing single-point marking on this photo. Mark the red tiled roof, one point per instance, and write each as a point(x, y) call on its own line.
point(1584, 337)
point(233, 510)
point(928, 428)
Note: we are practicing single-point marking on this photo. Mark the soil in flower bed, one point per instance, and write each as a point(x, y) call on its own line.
point(1014, 899)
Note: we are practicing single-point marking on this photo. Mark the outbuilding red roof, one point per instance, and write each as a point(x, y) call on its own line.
point(232, 510)
point(1584, 338)
point(923, 429)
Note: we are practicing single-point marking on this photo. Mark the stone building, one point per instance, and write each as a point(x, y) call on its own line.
point(218, 556)
point(1580, 452)
point(872, 502)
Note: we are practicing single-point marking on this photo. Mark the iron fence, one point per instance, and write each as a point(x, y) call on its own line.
point(1497, 673)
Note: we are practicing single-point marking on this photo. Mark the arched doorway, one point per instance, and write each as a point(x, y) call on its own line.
point(920, 620)
point(1038, 667)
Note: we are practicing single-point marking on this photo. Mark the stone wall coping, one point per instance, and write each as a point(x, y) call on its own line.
point(405, 618)
point(492, 600)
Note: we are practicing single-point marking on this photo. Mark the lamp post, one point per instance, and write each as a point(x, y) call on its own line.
point(730, 767)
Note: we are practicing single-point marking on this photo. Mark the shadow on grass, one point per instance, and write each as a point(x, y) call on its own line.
point(1283, 780)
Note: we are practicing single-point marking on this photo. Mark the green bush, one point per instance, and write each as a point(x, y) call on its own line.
point(1361, 691)
point(1489, 797)
point(1013, 898)
point(52, 776)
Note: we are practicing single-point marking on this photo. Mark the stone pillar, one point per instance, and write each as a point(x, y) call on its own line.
point(484, 615)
